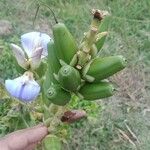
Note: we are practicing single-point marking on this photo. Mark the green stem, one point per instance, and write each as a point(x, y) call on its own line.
point(47, 122)
point(22, 117)
point(54, 121)
point(24, 121)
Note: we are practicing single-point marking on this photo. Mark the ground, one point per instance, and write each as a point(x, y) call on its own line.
point(124, 121)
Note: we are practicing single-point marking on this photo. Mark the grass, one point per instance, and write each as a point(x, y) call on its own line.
point(129, 35)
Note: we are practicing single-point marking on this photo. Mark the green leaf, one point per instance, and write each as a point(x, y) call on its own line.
point(52, 142)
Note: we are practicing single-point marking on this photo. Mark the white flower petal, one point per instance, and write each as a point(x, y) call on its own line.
point(19, 55)
point(45, 39)
point(12, 87)
point(27, 41)
point(32, 40)
point(30, 91)
point(23, 89)
point(36, 58)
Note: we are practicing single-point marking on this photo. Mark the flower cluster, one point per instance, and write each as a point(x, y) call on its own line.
point(34, 45)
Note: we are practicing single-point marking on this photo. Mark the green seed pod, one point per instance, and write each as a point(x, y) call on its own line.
point(66, 46)
point(102, 68)
point(53, 62)
point(101, 40)
point(53, 67)
point(47, 81)
point(69, 78)
point(57, 95)
point(93, 51)
point(51, 142)
point(105, 24)
point(96, 91)
point(103, 28)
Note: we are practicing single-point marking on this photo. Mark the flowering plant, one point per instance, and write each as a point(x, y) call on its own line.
point(74, 73)
point(25, 87)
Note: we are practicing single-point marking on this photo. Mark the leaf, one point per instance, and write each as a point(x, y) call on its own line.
point(105, 24)
point(52, 142)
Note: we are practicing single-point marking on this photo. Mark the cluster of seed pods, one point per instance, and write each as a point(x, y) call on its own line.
point(78, 68)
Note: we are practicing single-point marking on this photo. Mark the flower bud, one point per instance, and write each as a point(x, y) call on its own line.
point(73, 115)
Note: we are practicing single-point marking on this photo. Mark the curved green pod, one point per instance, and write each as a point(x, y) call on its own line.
point(103, 28)
point(101, 40)
point(53, 62)
point(47, 81)
point(69, 78)
point(52, 67)
point(102, 68)
point(93, 51)
point(95, 91)
point(66, 46)
point(105, 24)
point(57, 95)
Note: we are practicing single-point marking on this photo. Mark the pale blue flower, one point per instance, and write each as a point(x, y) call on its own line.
point(34, 49)
point(24, 88)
